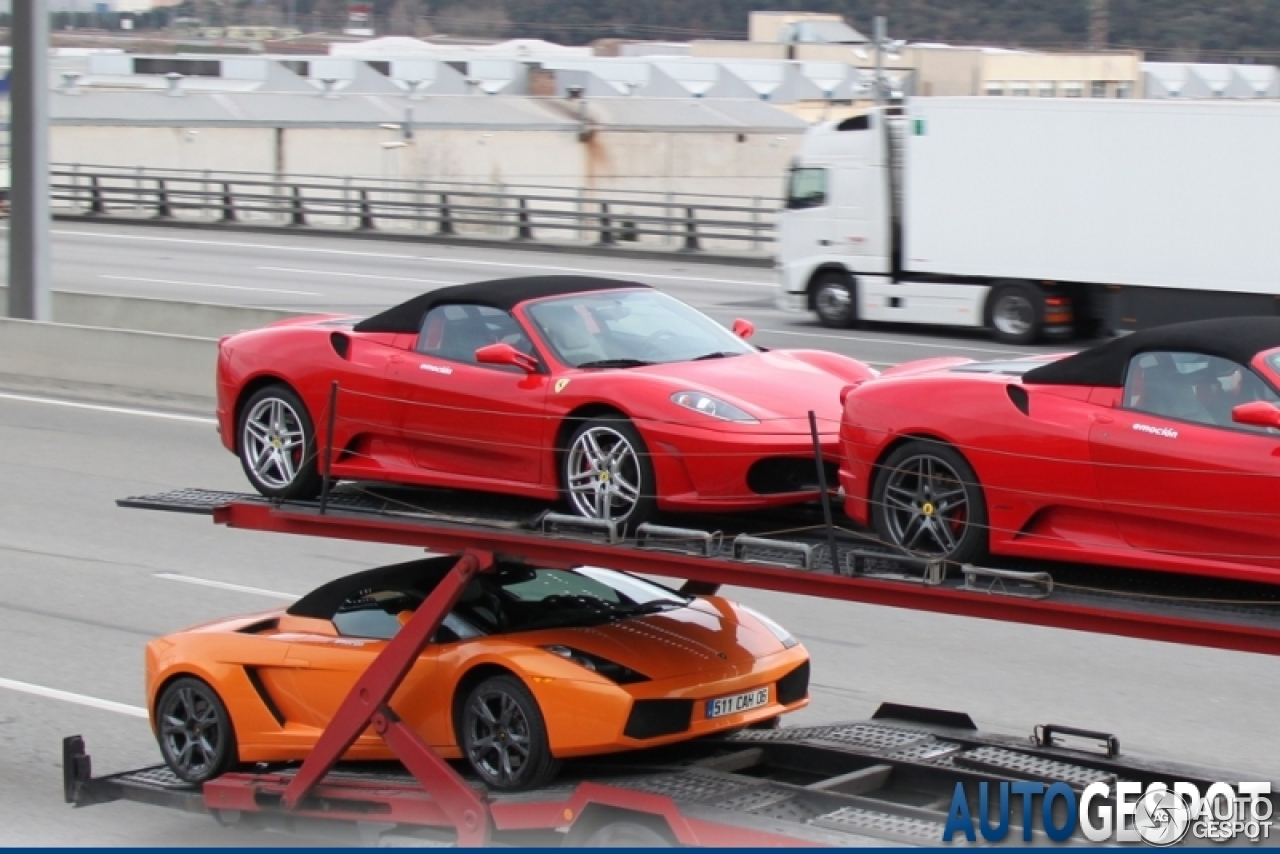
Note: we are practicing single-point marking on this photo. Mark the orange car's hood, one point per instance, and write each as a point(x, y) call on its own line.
point(709, 633)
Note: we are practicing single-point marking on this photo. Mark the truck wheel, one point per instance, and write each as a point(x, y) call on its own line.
point(1015, 311)
point(835, 300)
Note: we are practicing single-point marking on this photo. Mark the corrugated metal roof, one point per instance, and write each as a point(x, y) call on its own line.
point(276, 109)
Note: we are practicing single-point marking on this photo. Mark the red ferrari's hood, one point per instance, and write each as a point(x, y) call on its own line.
point(707, 634)
point(777, 384)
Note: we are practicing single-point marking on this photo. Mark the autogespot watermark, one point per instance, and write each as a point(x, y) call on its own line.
point(1160, 815)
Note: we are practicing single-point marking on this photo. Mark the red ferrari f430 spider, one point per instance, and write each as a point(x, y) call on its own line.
point(1157, 450)
point(615, 397)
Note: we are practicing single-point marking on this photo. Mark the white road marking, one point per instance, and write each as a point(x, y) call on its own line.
point(119, 410)
point(69, 697)
point(589, 272)
point(357, 275)
point(220, 244)
point(898, 343)
point(210, 285)
point(223, 585)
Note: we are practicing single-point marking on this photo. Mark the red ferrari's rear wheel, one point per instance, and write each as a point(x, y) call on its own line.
point(927, 500)
point(194, 730)
point(504, 736)
point(277, 444)
point(607, 472)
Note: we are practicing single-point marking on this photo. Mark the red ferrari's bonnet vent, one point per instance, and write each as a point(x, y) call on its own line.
point(341, 343)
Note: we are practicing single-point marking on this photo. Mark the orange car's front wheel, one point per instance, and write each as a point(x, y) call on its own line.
point(194, 730)
point(504, 735)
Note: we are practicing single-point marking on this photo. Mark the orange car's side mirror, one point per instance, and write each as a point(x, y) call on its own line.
point(744, 329)
point(1259, 413)
point(503, 353)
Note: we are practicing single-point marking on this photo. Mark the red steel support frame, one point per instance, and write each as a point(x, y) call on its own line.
point(367, 705)
point(452, 537)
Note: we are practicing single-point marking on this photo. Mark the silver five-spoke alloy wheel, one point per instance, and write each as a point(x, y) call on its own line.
point(926, 506)
point(274, 442)
point(604, 474)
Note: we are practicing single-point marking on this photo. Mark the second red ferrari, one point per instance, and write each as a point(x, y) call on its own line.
point(1157, 450)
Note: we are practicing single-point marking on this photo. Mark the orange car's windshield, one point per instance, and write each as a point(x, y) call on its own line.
point(527, 599)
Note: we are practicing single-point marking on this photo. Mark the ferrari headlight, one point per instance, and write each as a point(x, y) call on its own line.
point(785, 637)
point(596, 664)
point(713, 406)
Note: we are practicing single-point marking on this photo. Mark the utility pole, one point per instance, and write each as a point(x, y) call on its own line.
point(29, 163)
point(878, 37)
point(1098, 36)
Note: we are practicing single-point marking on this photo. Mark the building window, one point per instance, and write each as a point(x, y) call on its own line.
point(994, 87)
point(1046, 89)
point(1098, 89)
point(1072, 89)
point(1020, 88)
point(1124, 89)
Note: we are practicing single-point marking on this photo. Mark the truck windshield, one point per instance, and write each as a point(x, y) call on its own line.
point(806, 188)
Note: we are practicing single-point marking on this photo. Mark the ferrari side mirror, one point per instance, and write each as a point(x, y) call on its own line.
point(744, 329)
point(504, 354)
point(1260, 413)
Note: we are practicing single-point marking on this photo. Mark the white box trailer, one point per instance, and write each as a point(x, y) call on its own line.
point(1035, 216)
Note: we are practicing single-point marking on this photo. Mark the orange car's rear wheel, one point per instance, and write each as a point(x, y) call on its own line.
point(194, 729)
point(504, 735)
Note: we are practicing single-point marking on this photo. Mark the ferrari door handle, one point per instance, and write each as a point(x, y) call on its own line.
point(1103, 419)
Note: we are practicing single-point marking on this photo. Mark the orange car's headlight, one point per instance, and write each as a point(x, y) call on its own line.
point(785, 637)
point(610, 670)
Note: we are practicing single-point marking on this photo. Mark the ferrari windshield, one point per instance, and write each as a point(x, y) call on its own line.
point(524, 598)
point(621, 329)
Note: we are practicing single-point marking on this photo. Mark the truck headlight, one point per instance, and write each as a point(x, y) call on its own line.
point(715, 407)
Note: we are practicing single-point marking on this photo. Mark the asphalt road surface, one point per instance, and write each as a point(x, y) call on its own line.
point(84, 584)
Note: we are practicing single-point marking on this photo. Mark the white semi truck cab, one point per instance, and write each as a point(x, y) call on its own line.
point(1034, 218)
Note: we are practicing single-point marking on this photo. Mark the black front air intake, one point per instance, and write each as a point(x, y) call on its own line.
point(778, 475)
point(652, 718)
point(794, 687)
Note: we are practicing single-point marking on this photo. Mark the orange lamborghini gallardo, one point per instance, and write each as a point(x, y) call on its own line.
point(532, 666)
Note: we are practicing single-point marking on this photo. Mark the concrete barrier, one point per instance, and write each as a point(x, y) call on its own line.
point(120, 364)
point(146, 314)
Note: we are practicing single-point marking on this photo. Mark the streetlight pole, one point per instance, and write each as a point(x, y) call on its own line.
point(29, 163)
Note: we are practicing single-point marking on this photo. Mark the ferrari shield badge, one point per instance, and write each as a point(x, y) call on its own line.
point(560, 384)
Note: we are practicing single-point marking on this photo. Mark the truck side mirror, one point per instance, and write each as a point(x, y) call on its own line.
point(1259, 413)
point(744, 329)
point(503, 353)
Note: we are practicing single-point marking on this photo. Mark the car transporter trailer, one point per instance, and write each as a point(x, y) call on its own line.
point(888, 780)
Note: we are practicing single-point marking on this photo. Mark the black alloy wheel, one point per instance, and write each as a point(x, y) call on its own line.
point(927, 500)
point(194, 729)
point(504, 736)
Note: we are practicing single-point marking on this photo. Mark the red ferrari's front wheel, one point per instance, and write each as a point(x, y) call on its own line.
point(607, 472)
point(927, 500)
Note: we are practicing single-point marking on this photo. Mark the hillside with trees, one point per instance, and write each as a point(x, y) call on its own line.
point(1181, 29)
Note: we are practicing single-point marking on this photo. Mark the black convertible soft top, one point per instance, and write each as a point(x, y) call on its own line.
point(1236, 338)
point(422, 575)
point(504, 294)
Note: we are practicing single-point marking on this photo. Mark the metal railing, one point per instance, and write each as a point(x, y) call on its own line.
point(656, 221)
